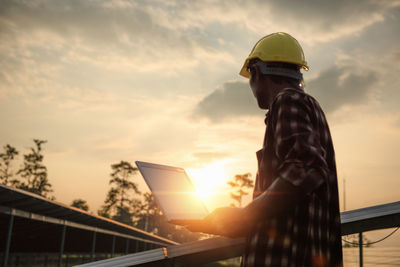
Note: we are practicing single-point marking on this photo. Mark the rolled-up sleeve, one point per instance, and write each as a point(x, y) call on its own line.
point(297, 143)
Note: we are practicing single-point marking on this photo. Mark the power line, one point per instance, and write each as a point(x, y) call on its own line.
point(371, 243)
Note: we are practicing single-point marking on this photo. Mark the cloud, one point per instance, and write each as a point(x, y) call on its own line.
point(167, 37)
point(333, 88)
point(310, 20)
point(232, 99)
point(321, 18)
point(117, 35)
point(340, 86)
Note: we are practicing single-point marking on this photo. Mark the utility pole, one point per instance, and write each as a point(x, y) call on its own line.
point(344, 194)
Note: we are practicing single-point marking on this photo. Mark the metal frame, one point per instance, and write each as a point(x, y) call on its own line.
point(93, 246)
point(8, 241)
point(62, 245)
point(38, 217)
point(371, 218)
point(213, 249)
point(25, 201)
point(113, 246)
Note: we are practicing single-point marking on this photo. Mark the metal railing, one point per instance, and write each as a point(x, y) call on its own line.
point(213, 249)
point(149, 241)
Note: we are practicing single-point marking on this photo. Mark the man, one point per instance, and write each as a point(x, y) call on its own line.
point(294, 217)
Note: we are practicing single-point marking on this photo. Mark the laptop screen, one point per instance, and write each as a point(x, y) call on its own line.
point(173, 191)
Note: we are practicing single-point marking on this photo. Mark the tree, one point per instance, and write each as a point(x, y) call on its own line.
point(80, 204)
point(149, 214)
point(34, 172)
point(5, 165)
point(241, 182)
point(152, 220)
point(120, 205)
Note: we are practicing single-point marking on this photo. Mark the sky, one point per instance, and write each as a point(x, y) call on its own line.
point(157, 81)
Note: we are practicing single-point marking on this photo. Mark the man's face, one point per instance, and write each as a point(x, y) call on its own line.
point(259, 86)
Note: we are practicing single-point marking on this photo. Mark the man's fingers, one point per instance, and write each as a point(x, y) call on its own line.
point(195, 227)
point(226, 221)
point(224, 215)
point(201, 227)
point(215, 213)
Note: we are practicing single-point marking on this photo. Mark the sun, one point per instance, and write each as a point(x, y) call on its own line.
point(208, 180)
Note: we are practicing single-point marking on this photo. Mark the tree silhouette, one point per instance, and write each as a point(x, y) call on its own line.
point(152, 220)
point(120, 205)
point(5, 164)
point(34, 172)
point(80, 204)
point(241, 182)
point(149, 214)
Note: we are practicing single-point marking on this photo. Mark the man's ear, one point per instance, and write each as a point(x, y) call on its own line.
point(255, 75)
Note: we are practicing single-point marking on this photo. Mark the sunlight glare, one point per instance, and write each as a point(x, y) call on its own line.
point(208, 180)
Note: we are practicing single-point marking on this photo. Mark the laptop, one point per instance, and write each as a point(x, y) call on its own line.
point(174, 193)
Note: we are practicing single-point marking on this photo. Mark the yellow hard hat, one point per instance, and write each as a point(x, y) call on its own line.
point(276, 47)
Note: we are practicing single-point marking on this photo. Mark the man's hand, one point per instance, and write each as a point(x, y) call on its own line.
point(227, 221)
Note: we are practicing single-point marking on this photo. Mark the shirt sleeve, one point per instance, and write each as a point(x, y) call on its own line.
point(301, 158)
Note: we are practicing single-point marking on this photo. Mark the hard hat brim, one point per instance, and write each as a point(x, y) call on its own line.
point(245, 73)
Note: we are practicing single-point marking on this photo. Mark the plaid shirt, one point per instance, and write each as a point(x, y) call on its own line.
point(297, 148)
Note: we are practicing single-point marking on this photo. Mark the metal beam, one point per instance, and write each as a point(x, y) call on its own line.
point(113, 246)
point(140, 258)
point(136, 246)
point(60, 256)
point(93, 246)
point(47, 219)
point(127, 246)
point(209, 250)
point(371, 218)
point(360, 245)
point(8, 240)
point(29, 202)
